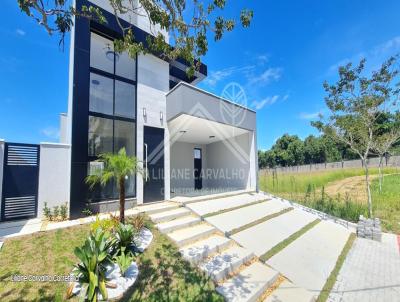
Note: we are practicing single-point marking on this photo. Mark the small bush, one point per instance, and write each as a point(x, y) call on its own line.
point(138, 222)
point(124, 261)
point(64, 211)
point(87, 212)
point(125, 235)
point(47, 212)
point(108, 225)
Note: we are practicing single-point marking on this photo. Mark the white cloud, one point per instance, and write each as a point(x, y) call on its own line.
point(267, 76)
point(20, 32)
point(375, 56)
point(258, 105)
point(285, 97)
point(310, 115)
point(263, 58)
point(51, 132)
point(216, 76)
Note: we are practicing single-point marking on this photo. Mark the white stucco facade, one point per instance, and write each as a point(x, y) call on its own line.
point(1, 169)
point(54, 175)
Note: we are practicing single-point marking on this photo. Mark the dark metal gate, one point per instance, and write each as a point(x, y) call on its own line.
point(20, 181)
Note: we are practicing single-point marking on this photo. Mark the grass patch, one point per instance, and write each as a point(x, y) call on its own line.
point(235, 208)
point(330, 282)
point(281, 245)
point(261, 220)
point(163, 274)
point(308, 189)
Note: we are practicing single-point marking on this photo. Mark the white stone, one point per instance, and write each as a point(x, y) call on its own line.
point(228, 221)
point(144, 239)
point(249, 284)
point(288, 292)
point(191, 234)
point(221, 265)
point(197, 251)
point(169, 215)
point(215, 205)
point(264, 236)
point(309, 260)
point(113, 275)
point(176, 224)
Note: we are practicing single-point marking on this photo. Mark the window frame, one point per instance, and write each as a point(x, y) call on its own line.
point(114, 77)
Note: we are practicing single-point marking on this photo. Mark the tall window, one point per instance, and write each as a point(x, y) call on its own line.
point(112, 106)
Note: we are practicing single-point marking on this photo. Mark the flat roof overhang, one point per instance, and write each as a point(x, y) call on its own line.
point(190, 101)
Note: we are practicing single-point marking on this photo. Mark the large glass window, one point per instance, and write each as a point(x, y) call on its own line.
point(101, 94)
point(124, 136)
point(101, 53)
point(100, 135)
point(124, 99)
point(125, 66)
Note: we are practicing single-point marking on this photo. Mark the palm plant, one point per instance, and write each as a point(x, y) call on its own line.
point(117, 167)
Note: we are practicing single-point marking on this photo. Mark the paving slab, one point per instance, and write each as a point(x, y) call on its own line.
point(192, 234)
point(18, 228)
point(249, 284)
point(288, 292)
point(169, 215)
point(371, 272)
point(207, 196)
point(264, 236)
point(228, 221)
point(157, 207)
point(200, 250)
point(221, 265)
point(309, 260)
point(215, 205)
point(179, 223)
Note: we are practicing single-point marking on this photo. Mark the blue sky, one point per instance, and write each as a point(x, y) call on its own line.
point(281, 62)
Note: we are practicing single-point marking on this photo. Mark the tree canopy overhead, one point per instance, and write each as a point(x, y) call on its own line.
point(189, 23)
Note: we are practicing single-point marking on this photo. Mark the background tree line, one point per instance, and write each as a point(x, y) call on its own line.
point(290, 150)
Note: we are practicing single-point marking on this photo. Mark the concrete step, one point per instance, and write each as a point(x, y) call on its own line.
point(169, 215)
point(157, 207)
point(200, 250)
point(177, 224)
point(229, 261)
point(287, 291)
point(192, 234)
point(249, 284)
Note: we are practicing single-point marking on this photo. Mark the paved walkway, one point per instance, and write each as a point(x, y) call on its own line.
point(264, 236)
point(228, 221)
point(215, 205)
point(371, 272)
point(309, 260)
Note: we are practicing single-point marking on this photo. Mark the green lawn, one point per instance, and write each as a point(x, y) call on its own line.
point(307, 188)
point(163, 274)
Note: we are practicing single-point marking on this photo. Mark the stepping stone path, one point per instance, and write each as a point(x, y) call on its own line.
point(236, 269)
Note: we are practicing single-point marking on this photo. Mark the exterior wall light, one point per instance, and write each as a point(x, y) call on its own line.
point(144, 112)
point(161, 116)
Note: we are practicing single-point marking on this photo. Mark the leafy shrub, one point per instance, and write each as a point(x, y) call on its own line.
point(138, 222)
point(87, 212)
point(94, 256)
point(56, 212)
point(107, 225)
point(64, 211)
point(47, 212)
point(124, 261)
point(124, 238)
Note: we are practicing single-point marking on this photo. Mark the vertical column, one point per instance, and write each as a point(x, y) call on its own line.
point(2, 146)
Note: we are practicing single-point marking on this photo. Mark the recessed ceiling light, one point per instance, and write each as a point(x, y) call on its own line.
point(111, 54)
point(95, 82)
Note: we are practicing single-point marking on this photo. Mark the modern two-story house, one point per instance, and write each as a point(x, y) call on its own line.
point(184, 136)
point(190, 141)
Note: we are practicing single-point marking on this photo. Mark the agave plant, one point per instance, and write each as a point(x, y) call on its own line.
point(94, 256)
point(124, 261)
point(125, 235)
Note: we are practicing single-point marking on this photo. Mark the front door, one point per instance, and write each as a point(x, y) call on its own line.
point(198, 182)
point(154, 164)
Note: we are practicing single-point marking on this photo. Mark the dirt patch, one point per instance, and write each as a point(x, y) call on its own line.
point(354, 187)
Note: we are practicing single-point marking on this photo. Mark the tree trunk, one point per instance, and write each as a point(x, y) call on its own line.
point(122, 200)
point(380, 174)
point(368, 190)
